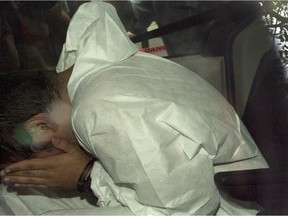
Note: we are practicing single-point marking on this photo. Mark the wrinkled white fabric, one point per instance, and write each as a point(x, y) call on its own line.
point(160, 132)
point(29, 201)
point(94, 22)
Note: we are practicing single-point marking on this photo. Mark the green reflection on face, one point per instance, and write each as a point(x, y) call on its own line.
point(21, 135)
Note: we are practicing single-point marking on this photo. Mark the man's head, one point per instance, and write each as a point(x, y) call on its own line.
point(31, 112)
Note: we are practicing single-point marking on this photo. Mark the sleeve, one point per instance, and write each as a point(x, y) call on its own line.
point(153, 166)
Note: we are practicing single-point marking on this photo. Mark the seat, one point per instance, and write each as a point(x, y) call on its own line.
point(255, 86)
point(265, 116)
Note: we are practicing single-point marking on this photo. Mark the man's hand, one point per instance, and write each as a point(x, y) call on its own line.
point(59, 171)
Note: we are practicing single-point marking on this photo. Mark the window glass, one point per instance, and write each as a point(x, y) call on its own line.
point(33, 32)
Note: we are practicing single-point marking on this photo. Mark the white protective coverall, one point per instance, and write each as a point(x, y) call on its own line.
point(160, 132)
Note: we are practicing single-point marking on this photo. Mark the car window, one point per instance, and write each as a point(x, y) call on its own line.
point(33, 32)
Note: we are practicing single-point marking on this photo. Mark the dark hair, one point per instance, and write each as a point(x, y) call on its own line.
point(22, 95)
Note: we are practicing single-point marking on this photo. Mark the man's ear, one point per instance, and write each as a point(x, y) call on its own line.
point(40, 122)
point(37, 130)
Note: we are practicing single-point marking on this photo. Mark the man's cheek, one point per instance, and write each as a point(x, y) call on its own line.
point(41, 138)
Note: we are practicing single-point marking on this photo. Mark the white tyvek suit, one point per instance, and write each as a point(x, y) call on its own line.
point(160, 132)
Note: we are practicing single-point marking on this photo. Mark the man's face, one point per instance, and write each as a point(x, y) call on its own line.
point(39, 130)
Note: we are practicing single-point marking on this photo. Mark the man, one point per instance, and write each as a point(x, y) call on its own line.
point(159, 131)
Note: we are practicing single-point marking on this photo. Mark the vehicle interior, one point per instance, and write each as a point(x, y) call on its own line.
point(239, 47)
